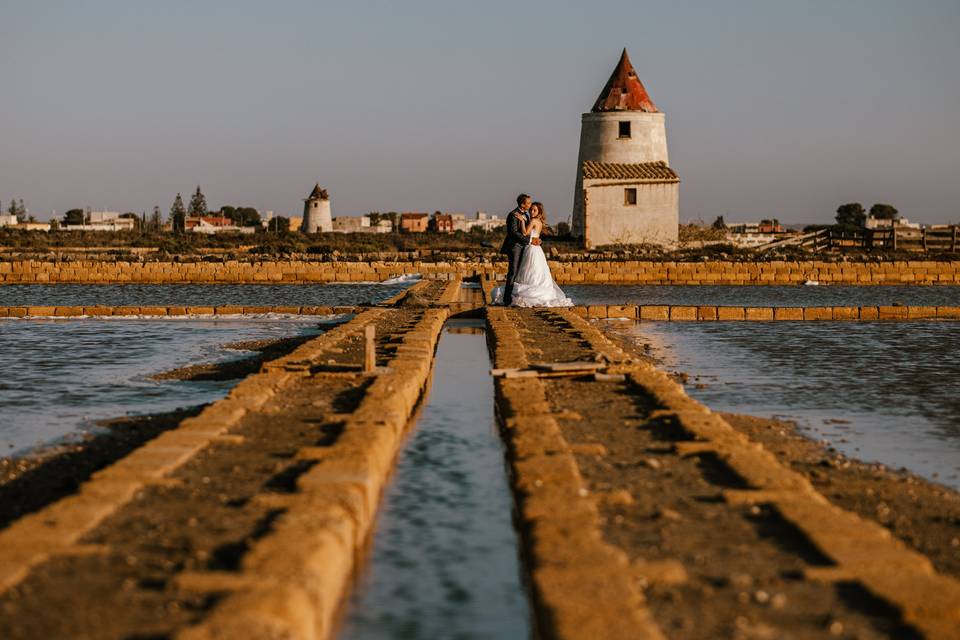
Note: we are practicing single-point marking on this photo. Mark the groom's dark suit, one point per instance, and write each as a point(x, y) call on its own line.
point(513, 246)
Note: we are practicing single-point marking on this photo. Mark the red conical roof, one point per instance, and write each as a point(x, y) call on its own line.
point(624, 91)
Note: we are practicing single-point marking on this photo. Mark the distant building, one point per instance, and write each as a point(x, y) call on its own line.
point(104, 221)
point(442, 223)
point(480, 220)
point(215, 224)
point(360, 224)
point(316, 212)
point(34, 226)
point(884, 223)
point(351, 224)
point(266, 219)
point(8, 220)
point(100, 217)
point(412, 222)
point(626, 191)
point(754, 234)
point(764, 226)
point(384, 225)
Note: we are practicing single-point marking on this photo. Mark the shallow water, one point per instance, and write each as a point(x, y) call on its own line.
point(62, 376)
point(444, 562)
point(303, 295)
point(769, 296)
point(878, 391)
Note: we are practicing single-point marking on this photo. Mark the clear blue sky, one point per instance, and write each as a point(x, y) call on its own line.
point(773, 108)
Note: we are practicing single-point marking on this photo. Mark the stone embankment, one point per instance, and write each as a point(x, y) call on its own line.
point(227, 526)
point(674, 313)
point(622, 480)
point(572, 271)
point(103, 311)
point(685, 313)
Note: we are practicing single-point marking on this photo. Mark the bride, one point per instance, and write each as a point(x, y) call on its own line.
point(534, 285)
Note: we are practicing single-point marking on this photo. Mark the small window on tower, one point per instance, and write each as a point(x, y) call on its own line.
point(629, 196)
point(625, 129)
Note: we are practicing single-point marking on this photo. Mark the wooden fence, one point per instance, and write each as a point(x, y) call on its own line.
point(929, 240)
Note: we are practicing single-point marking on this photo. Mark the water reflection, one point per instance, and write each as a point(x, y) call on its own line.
point(444, 558)
point(884, 391)
point(64, 375)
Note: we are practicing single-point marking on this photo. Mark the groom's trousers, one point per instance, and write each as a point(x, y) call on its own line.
point(516, 253)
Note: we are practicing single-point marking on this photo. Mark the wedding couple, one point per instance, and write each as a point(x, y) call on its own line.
point(529, 281)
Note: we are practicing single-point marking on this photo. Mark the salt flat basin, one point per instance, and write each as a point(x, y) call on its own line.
point(765, 296)
point(198, 294)
point(885, 392)
point(62, 376)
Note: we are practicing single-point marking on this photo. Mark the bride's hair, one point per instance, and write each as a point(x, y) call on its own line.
point(543, 217)
point(543, 212)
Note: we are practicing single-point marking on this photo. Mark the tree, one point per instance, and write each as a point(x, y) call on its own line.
point(74, 216)
point(54, 225)
point(156, 219)
point(178, 215)
point(719, 223)
point(851, 215)
point(246, 217)
point(198, 204)
point(563, 229)
point(18, 210)
point(280, 224)
point(884, 212)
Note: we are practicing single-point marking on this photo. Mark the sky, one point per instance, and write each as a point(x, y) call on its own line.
point(773, 108)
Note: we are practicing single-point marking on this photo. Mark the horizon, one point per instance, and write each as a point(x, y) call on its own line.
point(772, 112)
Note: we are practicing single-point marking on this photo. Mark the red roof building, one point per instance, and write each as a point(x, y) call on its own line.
point(624, 91)
point(442, 223)
point(213, 221)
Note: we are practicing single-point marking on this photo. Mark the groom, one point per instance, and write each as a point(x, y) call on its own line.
point(515, 243)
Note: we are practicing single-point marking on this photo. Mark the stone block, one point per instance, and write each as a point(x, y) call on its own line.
point(731, 313)
point(706, 313)
point(818, 313)
point(758, 313)
point(622, 311)
point(41, 311)
point(892, 312)
point(597, 311)
point(654, 312)
point(921, 312)
point(153, 311)
point(683, 313)
point(788, 313)
point(846, 313)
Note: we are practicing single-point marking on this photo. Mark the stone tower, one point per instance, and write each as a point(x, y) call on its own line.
point(626, 191)
point(316, 212)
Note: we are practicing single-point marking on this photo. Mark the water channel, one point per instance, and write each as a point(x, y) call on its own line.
point(444, 557)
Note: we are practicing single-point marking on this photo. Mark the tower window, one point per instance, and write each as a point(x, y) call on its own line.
point(629, 196)
point(624, 129)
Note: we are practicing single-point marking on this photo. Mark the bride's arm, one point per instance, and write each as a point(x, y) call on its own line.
point(524, 229)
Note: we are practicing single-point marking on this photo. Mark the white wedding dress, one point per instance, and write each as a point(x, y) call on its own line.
point(534, 285)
